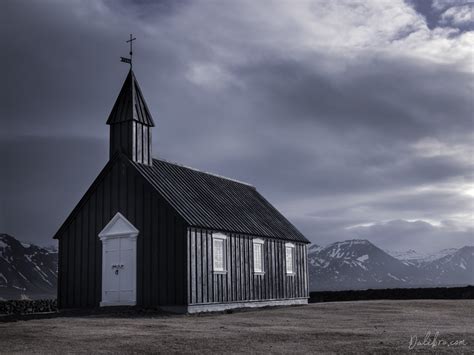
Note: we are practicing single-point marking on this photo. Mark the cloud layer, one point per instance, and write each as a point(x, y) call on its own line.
point(354, 118)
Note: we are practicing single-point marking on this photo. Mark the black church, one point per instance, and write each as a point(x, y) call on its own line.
point(152, 233)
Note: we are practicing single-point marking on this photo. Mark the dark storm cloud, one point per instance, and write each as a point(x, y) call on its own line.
point(332, 148)
point(64, 73)
point(429, 238)
point(455, 13)
point(407, 99)
point(143, 9)
point(33, 188)
point(430, 202)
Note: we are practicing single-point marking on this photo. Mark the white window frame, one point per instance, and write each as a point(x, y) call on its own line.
point(260, 243)
point(219, 237)
point(290, 247)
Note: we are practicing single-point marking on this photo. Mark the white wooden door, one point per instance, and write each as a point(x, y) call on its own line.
point(110, 274)
point(126, 271)
point(119, 252)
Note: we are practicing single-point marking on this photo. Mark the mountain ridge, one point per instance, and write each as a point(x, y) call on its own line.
point(26, 270)
point(359, 264)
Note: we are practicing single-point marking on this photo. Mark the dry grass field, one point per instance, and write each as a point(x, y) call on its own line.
point(339, 327)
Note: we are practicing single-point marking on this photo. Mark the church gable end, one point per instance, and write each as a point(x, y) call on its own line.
point(120, 189)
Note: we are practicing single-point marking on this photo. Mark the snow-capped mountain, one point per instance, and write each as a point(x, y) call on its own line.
point(413, 257)
point(26, 270)
point(454, 268)
point(408, 255)
point(356, 264)
point(359, 264)
point(313, 248)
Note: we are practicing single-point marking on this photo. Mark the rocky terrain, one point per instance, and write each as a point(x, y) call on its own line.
point(26, 270)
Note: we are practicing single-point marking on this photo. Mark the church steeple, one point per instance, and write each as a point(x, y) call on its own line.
point(130, 123)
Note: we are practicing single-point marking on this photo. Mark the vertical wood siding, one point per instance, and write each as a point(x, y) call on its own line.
point(133, 139)
point(161, 253)
point(240, 283)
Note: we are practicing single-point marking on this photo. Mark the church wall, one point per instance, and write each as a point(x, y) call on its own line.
point(240, 283)
point(161, 252)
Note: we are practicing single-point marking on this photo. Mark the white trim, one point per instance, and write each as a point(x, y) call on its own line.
point(221, 238)
point(112, 230)
point(291, 247)
point(260, 242)
point(218, 235)
point(116, 231)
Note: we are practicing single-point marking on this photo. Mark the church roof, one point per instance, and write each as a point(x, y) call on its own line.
point(205, 200)
point(214, 202)
point(130, 104)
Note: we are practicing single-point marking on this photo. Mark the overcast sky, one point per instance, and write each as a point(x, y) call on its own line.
point(353, 117)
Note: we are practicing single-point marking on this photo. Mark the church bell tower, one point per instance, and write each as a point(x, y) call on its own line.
point(130, 123)
point(130, 120)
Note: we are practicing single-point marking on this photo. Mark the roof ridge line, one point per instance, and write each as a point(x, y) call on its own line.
point(205, 172)
point(134, 104)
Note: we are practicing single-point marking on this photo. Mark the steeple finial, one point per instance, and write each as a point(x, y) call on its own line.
point(129, 60)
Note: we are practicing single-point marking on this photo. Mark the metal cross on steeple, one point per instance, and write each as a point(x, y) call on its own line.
point(129, 60)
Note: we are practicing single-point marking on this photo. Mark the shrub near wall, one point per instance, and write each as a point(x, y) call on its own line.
point(28, 306)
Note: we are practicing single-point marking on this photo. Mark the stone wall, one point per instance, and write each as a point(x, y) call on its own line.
point(28, 306)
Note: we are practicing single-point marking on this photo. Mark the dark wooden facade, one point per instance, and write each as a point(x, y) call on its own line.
point(174, 261)
point(176, 210)
point(161, 245)
point(240, 283)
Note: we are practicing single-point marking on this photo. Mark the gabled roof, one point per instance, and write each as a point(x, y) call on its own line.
point(217, 203)
point(130, 104)
point(205, 200)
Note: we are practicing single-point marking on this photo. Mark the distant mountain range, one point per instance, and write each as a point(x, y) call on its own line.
point(359, 264)
point(30, 271)
point(26, 270)
point(412, 257)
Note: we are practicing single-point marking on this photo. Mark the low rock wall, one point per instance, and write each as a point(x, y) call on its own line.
point(28, 306)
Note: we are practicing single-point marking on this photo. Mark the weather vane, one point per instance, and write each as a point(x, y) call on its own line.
point(129, 60)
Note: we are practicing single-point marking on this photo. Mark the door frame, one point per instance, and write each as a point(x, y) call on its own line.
point(119, 227)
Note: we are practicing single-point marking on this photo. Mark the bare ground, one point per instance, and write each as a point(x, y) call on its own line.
point(339, 327)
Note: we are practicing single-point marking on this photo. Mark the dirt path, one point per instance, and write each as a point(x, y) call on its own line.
point(354, 327)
